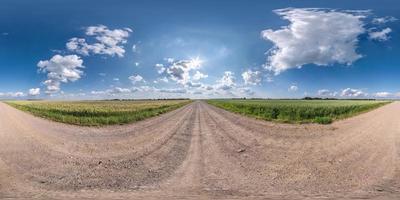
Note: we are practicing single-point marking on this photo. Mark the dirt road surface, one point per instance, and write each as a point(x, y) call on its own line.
point(201, 152)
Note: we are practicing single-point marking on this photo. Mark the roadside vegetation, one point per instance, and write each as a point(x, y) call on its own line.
point(98, 113)
point(298, 111)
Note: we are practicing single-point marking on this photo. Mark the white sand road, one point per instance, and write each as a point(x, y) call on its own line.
point(201, 152)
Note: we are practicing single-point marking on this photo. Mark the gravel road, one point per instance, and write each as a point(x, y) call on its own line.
point(201, 152)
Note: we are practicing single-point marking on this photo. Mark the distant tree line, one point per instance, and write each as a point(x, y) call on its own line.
point(319, 98)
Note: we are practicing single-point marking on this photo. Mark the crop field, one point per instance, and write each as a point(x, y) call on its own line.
point(298, 111)
point(97, 113)
point(197, 149)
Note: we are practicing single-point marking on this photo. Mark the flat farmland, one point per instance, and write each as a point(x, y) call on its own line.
point(199, 151)
point(98, 113)
point(298, 111)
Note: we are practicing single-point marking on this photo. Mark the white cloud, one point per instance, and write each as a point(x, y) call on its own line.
point(34, 91)
point(114, 91)
point(61, 69)
point(161, 80)
point(383, 94)
point(380, 35)
point(115, 79)
point(198, 75)
point(97, 92)
point(17, 94)
point(169, 60)
point(102, 74)
point(325, 92)
point(179, 71)
point(194, 85)
point(208, 87)
point(227, 81)
point(134, 48)
point(144, 88)
point(293, 88)
point(118, 90)
point(228, 88)
point(137, 64)
point(108, 42)
point(197, 92)
point(12, 94)
point(252, 77)
point(383, 20)
point(164, 79)
point(314, 36)
point(246, 91)
point(175, 90)
point(160, 68)
point(349, 92)
point(136, 79)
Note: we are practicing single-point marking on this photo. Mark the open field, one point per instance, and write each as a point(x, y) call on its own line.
point(298, 111)
point(97, 113)
point(200, 151)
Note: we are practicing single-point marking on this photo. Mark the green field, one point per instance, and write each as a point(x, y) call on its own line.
point(97, 113)
point(298, 111)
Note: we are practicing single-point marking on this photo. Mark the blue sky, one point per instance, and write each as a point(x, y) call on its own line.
point(199, 49)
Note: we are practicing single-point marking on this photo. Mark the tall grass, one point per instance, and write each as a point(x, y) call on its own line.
point(298, 111)
point(98, 113)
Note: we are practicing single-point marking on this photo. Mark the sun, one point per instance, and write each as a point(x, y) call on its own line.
point(196, 62)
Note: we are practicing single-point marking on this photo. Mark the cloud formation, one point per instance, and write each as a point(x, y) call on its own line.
point(386, 95)
point(227, 82)
point(198, 75)
point(293, 88)
point(60, 69)
point(108, 42)
point(136, 78)
point(382, 35)
point(356, 93)
point(34, 92)
point(174, 90)
point(326, 93)
point(160, 68)
point(179, 71)
point(349, 92)
point(252, 77)
point(383, 20)
point(12, 94)
point(161, 80)
point(314, 36)
point(114, 91)
point(383, 94)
